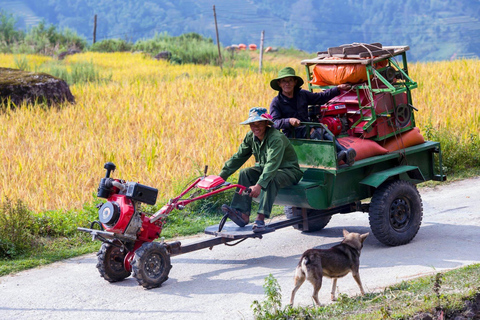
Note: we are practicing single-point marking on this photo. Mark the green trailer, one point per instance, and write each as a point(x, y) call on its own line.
point(387, 181)
point(383, 186)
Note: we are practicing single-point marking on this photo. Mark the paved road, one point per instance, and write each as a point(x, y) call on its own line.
point(223, 282)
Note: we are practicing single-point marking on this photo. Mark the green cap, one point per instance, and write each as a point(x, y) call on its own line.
point(285, 72)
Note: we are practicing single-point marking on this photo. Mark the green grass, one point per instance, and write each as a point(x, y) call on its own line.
point(73, 73)
point(50, 250)
point(459, 156)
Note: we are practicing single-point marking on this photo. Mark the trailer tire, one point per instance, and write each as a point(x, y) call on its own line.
point(110, 263)
point(316, 225)
point(151, 265)
point(396, 212)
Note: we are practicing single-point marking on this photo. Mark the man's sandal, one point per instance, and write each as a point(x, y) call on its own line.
point(234, 215)
point(258, 226)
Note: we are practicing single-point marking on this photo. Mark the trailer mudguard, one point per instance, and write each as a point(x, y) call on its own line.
point(377, 178)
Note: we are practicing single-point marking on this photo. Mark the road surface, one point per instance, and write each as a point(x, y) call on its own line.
point(222, 283)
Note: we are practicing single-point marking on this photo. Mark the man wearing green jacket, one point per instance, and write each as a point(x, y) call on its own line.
point(276, 167)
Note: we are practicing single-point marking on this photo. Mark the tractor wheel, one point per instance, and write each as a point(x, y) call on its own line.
point(151, 265)
point(396, 212)
point(316, 225)
point(110, 263)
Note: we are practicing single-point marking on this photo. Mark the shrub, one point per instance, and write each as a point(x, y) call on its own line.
point(41, 38)
point(187, 48)
point(271, 307)
point(15, 228)
point(459, 154)
point(58, 223)
point(111, 45)
point(48, 40)
point(8, 34)
point(80, 72)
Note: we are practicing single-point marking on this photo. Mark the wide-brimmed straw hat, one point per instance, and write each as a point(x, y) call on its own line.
point(285, 72)
point(258, 114)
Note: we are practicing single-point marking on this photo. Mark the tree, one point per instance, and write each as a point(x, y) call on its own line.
point(8, 34)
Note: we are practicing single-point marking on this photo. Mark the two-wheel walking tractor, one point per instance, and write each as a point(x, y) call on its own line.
point(378, 110)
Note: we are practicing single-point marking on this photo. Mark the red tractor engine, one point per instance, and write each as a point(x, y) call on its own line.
point(121, 213)
point(332, 115)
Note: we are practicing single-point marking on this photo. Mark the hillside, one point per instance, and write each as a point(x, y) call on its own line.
point(435, 30)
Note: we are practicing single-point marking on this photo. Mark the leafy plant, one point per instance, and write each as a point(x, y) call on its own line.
point(21, 62)
point(15, 228)
point(270, 308)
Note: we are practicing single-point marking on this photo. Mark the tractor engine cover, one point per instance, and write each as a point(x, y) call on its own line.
point(333, 124)
point(334, 109)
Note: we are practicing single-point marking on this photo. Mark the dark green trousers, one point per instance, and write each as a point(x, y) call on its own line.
point(248, 177)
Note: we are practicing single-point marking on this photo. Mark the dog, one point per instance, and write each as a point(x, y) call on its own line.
point(333, 263)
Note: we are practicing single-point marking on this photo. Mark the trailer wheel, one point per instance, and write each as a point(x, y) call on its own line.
point(316, 225)
point(110, 263)
point(396, 212)
point(151, 265)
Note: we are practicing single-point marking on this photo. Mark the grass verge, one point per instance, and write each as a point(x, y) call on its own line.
point(51, 250)
point(441, 296)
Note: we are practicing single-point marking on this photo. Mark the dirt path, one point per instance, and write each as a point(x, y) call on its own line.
point(222, 283)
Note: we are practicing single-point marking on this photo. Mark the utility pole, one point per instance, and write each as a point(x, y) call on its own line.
point(95, 29)
point(261, 51)
point(218, 41)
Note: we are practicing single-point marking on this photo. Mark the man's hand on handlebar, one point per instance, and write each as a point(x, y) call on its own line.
point(255, 191)
point(294, 122)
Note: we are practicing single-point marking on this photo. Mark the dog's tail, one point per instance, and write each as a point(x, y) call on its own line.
point(307, 258)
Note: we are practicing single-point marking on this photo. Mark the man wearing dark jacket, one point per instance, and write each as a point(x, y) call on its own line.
point(290, 107)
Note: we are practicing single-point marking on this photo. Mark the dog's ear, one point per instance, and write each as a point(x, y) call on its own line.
point(345, 233)
point(364, 236)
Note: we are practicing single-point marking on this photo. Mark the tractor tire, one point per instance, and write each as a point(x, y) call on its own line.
point(110, 263)
point(396, 212)
point(151, 265)
point(317, 225)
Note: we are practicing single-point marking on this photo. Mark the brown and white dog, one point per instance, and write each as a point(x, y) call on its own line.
point(334, 263)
